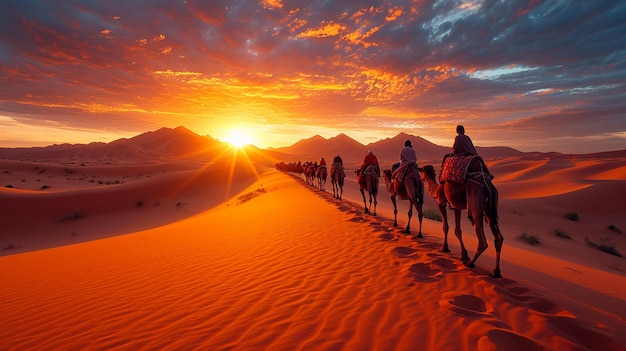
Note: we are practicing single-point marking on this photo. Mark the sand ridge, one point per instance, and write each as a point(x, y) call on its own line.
point(297, 271)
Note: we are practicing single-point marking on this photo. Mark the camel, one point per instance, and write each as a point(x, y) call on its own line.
point(409, 189)
point(310, 171)
point(321, 175)
point(480, 197)
point(369, 182)
point(337, 176)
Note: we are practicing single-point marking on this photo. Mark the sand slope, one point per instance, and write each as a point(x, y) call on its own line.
point(283, 267)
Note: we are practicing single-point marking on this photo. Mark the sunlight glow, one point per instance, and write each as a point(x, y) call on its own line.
point(239, 138)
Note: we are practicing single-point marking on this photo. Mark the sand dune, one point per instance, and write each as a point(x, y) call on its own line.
point(230, 254)
point(284, 267)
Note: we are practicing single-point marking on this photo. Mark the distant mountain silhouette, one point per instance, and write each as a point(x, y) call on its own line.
point(164, 143)
point(182, 143)
point(387, 150)
point(316, 147)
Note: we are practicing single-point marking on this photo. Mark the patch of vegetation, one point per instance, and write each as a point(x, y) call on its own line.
point(613, 228)
point(572, 216)
point(530, 238)
point(44, 187)
point(76, 214)
point(604, 245)
point(433, 213)
point(10, 247)
point(9, 186)
point(561, 234)
point(614, 266)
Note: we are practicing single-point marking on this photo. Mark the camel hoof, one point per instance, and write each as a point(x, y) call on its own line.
point(469, 265)
point(496, 274)
point(367, 211)
point(420, 235)
point(465, 259)
point(445, 249)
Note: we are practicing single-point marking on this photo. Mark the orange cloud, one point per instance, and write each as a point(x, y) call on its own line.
point(272, 4)
point(393, 14)
point(326, 30)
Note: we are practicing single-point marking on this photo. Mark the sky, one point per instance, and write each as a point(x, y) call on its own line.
point(530, 74)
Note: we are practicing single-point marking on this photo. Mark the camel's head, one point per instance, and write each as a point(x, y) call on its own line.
point(429, 172)
point(387, 174)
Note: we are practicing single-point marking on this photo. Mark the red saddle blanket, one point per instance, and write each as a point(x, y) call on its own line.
point(455, 168)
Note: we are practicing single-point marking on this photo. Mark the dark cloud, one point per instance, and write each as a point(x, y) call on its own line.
point(524, 64)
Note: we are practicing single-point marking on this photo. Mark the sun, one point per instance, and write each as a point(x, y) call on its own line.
point(239, 138)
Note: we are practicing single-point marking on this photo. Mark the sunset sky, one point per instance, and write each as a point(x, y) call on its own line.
point(534, 75)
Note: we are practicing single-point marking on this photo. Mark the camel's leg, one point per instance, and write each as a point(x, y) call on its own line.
point(364, 201)
point(498, 240)
point(410, 214)
point(373, 200)
point(446, 228)
point(459, 234)
point(340, 192)
point(482, 241)
point(395, 211)
point(420, 215)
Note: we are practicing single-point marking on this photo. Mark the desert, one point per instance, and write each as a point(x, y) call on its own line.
point(220, 250)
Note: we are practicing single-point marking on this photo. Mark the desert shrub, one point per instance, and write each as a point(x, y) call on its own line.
point(572, 216)
point(530, 238)
point(72, 215)
point(561, 234)
point(10, 247)
point(44, 187)
point(9, 186)
point(613, 228)
point(433, 213)
point(604, 245)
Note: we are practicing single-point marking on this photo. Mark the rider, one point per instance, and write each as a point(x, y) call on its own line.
point(407, 157)
point(323, 163)
point(370, 159)
point(462, 143)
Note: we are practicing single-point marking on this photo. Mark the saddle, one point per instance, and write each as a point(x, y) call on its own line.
point(337, 167)
point(371, 170)
point(408, 169)
point(401, 171)
point(457, 168)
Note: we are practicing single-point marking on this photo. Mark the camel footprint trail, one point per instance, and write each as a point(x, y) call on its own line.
point(489, 308)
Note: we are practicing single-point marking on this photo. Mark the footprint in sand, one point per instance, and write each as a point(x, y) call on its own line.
point(465, 304)
point(425, 272)
point(502, 339)
point(571, 329)
point(388, 237)
point(404, 251)
point(445, 263)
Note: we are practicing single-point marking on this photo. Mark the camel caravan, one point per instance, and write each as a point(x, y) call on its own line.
point(316, 175)
point(464, 183)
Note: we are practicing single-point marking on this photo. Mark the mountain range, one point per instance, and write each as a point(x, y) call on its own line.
point(182, 143)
